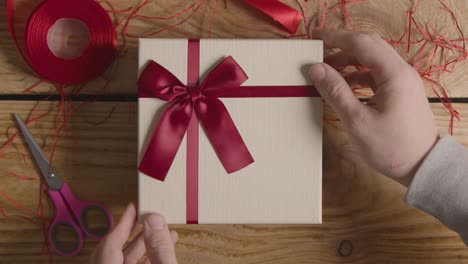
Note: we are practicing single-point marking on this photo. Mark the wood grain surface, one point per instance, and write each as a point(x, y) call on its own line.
point(364, 217)
point(235, 20)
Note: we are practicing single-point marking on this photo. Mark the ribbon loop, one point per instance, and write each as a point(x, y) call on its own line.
point(227, 75)
point(165, 86)
point(157, 82)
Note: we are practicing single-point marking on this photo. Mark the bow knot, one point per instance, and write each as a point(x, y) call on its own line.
point(194, 92)
point(157, 82)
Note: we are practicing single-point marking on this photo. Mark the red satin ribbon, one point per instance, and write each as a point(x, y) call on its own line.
point(157, 82)
point(288, 17)
point(95, 59)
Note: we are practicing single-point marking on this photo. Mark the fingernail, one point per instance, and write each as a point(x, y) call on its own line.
point(154, 222)
point(317, 72)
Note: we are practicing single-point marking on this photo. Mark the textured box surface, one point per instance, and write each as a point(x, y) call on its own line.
point(284, 136)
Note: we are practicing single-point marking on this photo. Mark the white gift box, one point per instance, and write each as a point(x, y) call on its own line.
point(284, 136)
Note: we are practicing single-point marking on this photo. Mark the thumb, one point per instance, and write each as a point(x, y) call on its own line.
point(158, 241)
point(334, 90)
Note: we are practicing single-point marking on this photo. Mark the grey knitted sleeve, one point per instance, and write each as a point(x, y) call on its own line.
point(440, 186)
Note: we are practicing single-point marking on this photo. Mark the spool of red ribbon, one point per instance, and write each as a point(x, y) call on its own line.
point(95, 56)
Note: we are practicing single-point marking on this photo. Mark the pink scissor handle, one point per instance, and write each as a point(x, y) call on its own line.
point(63, 216)
point(80, 208)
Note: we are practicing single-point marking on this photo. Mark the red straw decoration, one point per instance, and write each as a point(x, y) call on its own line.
point(152, 33)
point(324, 14)
point(215, 10)
point(19, 206)
point(176, 15)
point(2, 211)
point(22, 177)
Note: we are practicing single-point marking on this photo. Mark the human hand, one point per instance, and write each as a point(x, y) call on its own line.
point(156, 237)
point(395, 130)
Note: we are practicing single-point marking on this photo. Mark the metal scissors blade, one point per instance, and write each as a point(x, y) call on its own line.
point(51, 177)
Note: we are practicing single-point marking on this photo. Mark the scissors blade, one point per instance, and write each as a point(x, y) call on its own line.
point(51, 177)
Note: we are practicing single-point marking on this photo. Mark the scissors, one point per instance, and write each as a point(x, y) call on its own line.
point(70, 212)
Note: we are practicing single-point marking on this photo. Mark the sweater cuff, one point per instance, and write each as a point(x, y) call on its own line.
point(440, 186)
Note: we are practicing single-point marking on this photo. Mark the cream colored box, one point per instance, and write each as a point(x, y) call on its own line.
point(284, 136)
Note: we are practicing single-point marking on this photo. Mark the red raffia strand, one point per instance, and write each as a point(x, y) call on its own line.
point(412, 21)
point(103, 120)
point(176, 15)
point(304, 11)
point(22, 217)
point(152, 33)
point(30, 88)
point(117, 23)
point(324, 14)
point(215, 11)
point(21, 177)
point(432, 45)
point(2, 212)
point(30, 120)
point(307, 21)
point(344, 11)
point(27, 219)
point(112, 10)
point(19, 206)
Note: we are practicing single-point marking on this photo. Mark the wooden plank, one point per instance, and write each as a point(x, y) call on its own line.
point(99, 167)
point(365, 218)
point(237, 20)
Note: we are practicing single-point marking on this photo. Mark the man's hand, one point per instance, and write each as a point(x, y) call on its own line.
point(396, 129)
point(155, 238)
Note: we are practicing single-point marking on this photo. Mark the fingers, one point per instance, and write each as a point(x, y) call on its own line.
point(121, 232)
point(361, 79)
point(134, 250)
point(174, 237)
point(158, 240)
point(369, 49)
point(334, 90)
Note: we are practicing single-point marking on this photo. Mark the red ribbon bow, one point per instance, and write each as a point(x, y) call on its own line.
point(157, 82)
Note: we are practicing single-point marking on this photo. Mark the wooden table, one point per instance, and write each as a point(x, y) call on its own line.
point(365, 218)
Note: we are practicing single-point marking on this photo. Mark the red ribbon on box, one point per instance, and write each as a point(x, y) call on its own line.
point(222, 82)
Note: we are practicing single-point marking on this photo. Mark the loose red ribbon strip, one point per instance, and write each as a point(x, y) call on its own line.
point(288, 17)
point(95, 59)
point(157, 82)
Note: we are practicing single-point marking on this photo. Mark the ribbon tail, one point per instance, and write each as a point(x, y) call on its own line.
point(285, 15)
point(223, 134)
point(166, 140)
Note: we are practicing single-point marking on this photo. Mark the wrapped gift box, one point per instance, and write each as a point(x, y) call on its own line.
point(283, 135)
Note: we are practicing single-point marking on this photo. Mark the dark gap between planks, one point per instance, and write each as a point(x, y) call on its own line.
point(131, 98)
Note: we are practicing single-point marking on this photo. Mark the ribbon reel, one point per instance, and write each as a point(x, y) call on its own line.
point(67, 42)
